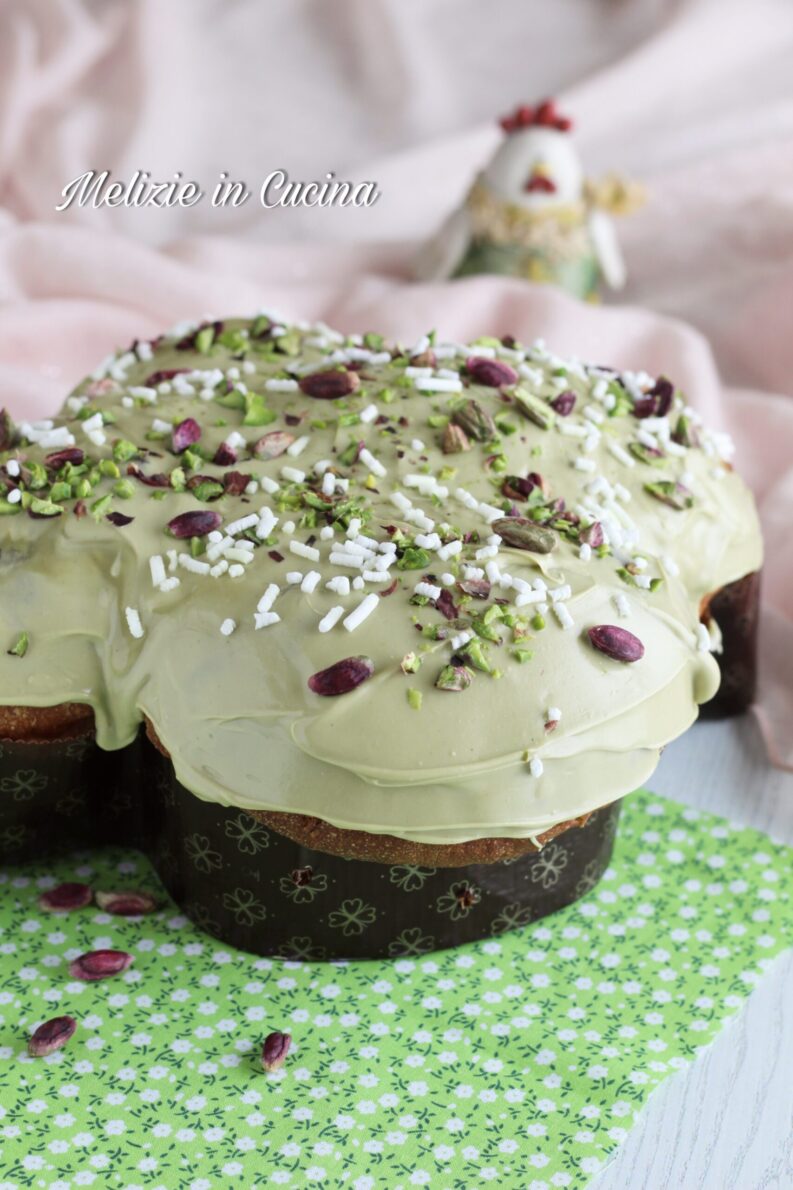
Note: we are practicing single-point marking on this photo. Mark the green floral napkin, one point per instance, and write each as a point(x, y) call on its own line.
point(522, 1061)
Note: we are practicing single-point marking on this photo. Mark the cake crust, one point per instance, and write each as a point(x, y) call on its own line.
point(46, 724)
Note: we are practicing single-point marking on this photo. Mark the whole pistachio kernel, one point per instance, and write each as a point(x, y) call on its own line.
point(675, 495)
point(523, 534)
point(475, 421)
point(52, 1035)
point(276, 1047)
point(615, 642)
point(454, 440)
point(342, 677)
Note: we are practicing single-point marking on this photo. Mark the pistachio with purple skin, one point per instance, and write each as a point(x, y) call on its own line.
point(615, 642)
point(235, 482)
point(51, 1036)
point(329, 385)
point(564, 403)
point(342, 677)
point(71, 454)
point(66, 897)
point(185, 434)
point(647, 454)
point(274, 1051)
point(6, 429)
point(592, 535)
point(534, 408)
point(194, 524)
point(523, 534)
point(657, 401)
point(475, 421)
point(478, 588)
point(491, 372)
point(675, 495)
point(454, 440)
point(273, 445)
point(225, 455)
point(454, 678)
point(132, 903)
point(100, 964)
point(520, 487)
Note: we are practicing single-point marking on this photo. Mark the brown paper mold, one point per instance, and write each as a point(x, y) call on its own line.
point(253, 887)
point(736, 609)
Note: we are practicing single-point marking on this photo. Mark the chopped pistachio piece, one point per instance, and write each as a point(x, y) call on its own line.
point(20, 646)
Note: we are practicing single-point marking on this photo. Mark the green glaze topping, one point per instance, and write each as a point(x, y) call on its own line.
point(213, 515)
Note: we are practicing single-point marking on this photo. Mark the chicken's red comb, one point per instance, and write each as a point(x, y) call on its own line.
point(544, 115)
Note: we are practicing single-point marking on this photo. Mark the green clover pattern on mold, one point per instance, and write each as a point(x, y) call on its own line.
point(302, 888)
point(549, 865)
point(249, 835)
point(410, 877)
point(522, 1060)
point(244, 906)
point(352, 917)
point(24, 784)
point(200, 851)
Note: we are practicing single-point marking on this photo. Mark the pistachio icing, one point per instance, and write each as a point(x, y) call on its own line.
point(367, 524)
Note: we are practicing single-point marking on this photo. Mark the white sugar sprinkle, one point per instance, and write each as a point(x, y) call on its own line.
point(619, 453)
point(245, 522)
point(342, 558)
point(369, 413)
point(281, 386)
point(268, 598)
point(193, 564)
point(331, 619)
point(622, 605)
point(228, 626)
point(360, 613)
point(133, 622)
point(563, 616)
point(449, 550)
point(293, 474)
point(553, 715)
point(265, 619)
point(536, 766)
point(269, 485)
point(309, 583)
point(298, 446)
point(427, 589)
point(373, 464)
point(13, 468)
point(293, 577)
point(304, 551)
point(157, 568)
point(339, 584)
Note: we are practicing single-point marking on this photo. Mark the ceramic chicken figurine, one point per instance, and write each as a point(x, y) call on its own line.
point(531, 213)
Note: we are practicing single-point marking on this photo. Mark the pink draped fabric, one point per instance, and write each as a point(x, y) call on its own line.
point(691, 96)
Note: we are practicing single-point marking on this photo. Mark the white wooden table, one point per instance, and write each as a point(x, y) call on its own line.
point(726, 1122)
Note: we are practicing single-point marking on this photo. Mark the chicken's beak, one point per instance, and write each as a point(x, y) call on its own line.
point(540, 180)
